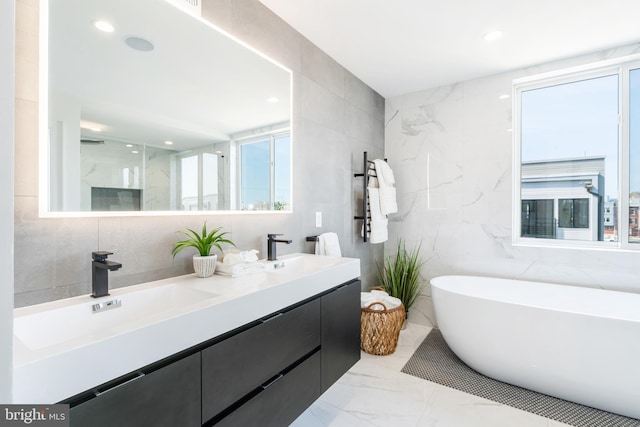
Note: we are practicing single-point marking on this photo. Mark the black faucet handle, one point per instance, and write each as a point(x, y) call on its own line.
point(100, 256)
point(273, 236)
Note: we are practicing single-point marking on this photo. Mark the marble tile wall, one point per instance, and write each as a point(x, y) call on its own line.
point(335, 118)
point(451, 150)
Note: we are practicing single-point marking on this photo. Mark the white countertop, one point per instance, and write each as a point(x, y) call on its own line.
point(61, 348)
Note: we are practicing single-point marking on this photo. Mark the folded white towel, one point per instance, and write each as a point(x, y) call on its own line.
point(374, 204)
point(387, 199)
point(234, 256)
point(239, 269)
point(384, 173)
point(387, 192)
point(379, 231)
point(328, 244)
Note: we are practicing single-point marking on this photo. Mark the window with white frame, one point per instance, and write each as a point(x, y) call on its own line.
point(577, 156)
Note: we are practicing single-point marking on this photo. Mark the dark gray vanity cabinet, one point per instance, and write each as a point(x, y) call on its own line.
point(169, 396)
point(265, 373)
point(340, 328)
point(243, 363)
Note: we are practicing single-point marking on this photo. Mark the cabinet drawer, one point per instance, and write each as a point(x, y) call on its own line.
point(234, 367)
point(283, 401)
point(168, 397)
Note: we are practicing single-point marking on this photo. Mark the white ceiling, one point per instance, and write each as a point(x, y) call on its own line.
point(402, 46)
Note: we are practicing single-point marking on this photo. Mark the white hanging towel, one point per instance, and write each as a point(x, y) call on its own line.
point(385, 182)
point(378, 232)
point(328, 244)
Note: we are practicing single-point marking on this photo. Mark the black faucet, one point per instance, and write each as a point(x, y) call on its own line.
point(271, 245)
point(100, 268)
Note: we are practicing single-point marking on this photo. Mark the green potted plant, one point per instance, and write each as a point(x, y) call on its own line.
point(204, 263)
point(399, 275)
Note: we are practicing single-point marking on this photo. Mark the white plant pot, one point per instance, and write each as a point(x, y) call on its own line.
point(204, 266)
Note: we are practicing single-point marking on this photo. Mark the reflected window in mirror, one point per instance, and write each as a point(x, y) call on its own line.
point(201, 182)
point(576, 156)
point(265, 172)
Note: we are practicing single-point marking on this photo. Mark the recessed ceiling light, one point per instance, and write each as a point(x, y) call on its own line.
point(139, 44)
point(273, 100)
point(218, 152)
point(134, 151)
point(104, 26)
point(493, 35)
point(168, 143)
point(129, 145)
point(504, 96)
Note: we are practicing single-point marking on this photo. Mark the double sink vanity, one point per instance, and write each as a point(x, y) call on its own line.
point(253, 350)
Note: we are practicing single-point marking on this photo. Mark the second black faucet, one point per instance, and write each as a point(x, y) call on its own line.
point(271, 245)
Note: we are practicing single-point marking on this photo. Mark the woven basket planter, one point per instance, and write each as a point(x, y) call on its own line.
point(380, 329)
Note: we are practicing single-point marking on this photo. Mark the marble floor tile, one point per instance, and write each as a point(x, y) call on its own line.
point(375, 393)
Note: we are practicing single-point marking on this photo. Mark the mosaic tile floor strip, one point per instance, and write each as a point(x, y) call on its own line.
point(434, 361)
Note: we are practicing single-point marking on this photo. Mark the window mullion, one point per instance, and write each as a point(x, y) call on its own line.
point(624, 159)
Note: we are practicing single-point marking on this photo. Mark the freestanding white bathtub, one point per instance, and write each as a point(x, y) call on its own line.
point(578, 344)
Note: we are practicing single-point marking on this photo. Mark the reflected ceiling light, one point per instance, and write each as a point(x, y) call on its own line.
point(504, 96)
point(272, 100)
point(492, 36)
point(134, 151)
point(95, 129)
point(139, 44)
point(104, 26)
point(129, 145)
point(168, 143)
point(218, 152)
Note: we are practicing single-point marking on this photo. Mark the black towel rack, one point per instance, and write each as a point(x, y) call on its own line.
point(365, 194)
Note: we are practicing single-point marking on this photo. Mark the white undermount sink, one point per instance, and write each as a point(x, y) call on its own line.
point(124, 310)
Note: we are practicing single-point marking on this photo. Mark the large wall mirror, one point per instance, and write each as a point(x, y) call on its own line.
point(152, 109)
